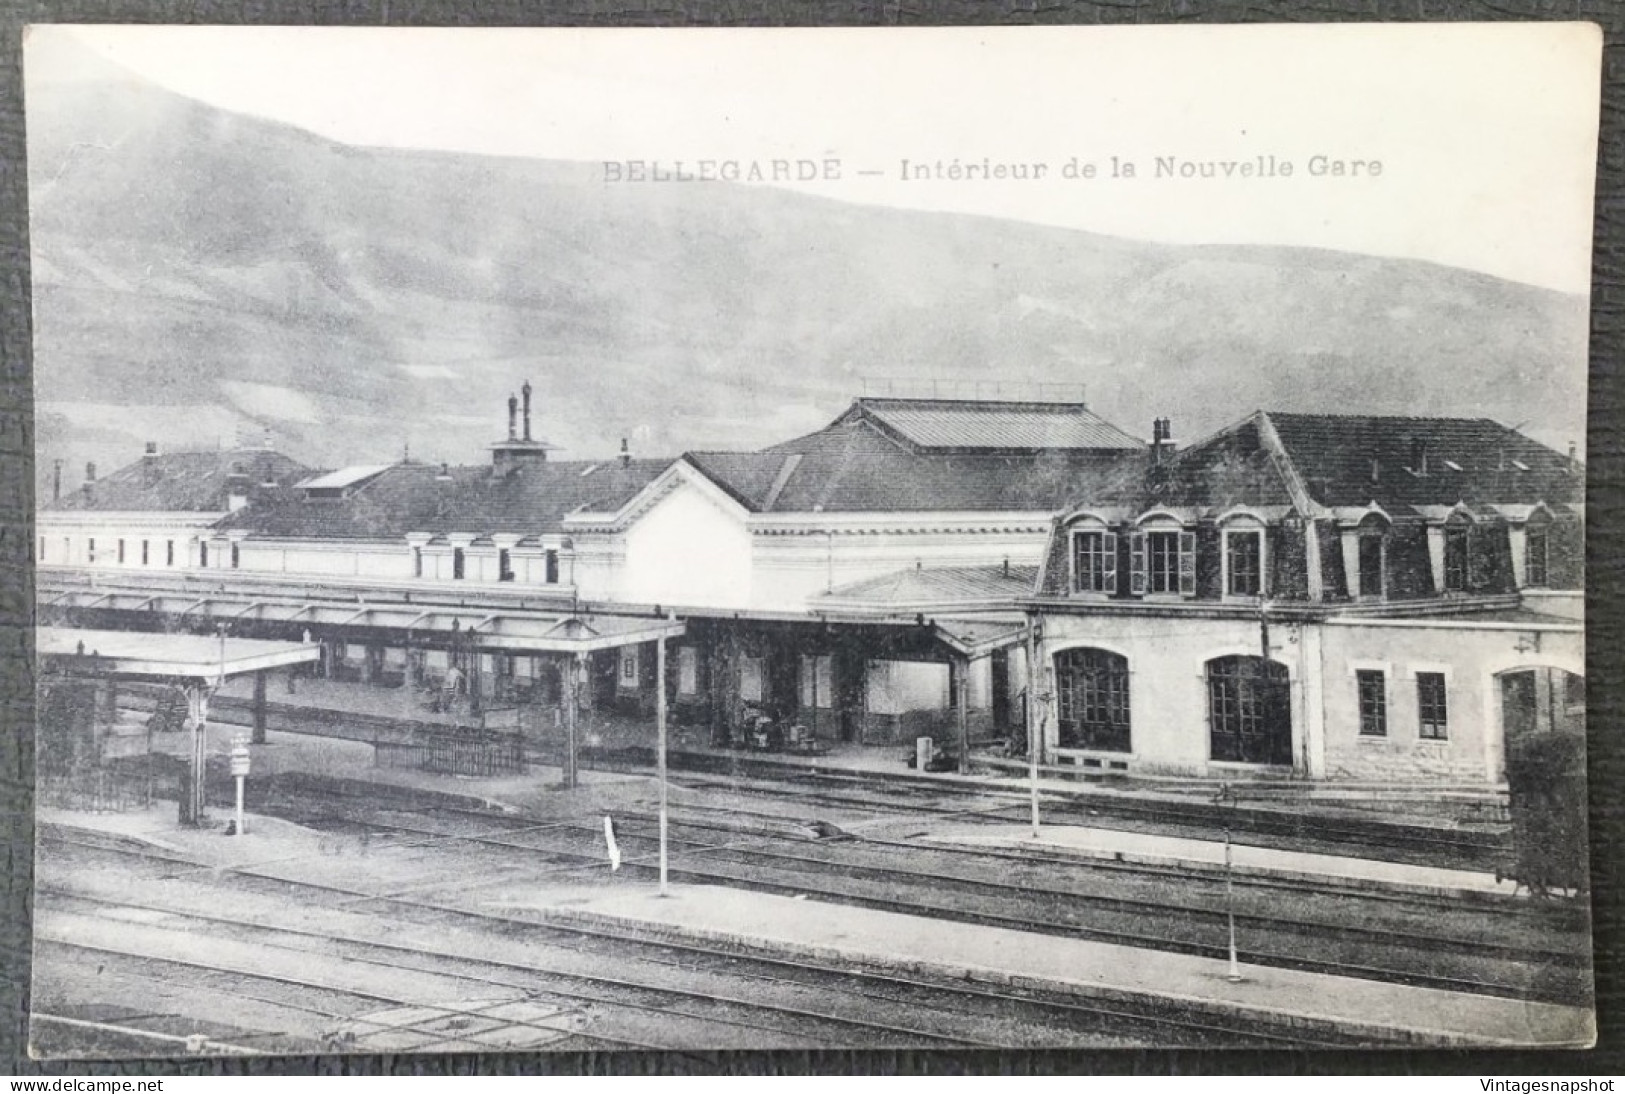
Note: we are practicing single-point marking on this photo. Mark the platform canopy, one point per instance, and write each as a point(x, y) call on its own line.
point(493, 626)
point(164, 656)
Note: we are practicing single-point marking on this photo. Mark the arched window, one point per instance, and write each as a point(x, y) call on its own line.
point(1249, 711)
point(1537, 549)
point(1243, 547)
point(1091, 687)
point(1456, 553)
point(1370, 580)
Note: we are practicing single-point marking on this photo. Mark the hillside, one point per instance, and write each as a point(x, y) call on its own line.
point(200, 274)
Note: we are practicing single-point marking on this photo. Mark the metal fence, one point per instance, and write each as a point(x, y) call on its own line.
point(456, 751)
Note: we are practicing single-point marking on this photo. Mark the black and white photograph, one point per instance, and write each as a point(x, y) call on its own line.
point(578, 540)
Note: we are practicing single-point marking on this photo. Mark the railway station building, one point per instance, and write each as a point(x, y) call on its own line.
point(1326, 597)
point(1342, 597)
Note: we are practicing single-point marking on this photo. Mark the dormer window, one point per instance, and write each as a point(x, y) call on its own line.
point(1455, 557)
point(1370, 578)
point(1162, 562)
point(1094, 561)
point(1244, 563)
point(1537, 551)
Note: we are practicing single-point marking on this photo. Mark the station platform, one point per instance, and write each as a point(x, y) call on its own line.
point(1247, 860)
point(602, 731)
point(348, 766)
point(1273, 997)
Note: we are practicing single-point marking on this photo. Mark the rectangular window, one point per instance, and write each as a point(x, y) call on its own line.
point(1371, 566)
point(417, 562)
point(688, 670)
point(1373, 688)
point(1162, 562)
point(169, 552)
point(817, 682)
point(42, 549)
point(750, 679)
point(203, 555)
point(1535, 548)
point(552, 567)
point(143, 552)
point(458, 563)
point(1433, 711)
point(1245, 552)
point(504, 565)
point(628, 678)
point(1455, 560)
point(121, 552)
point(1094, 562)
point(90, 550)
point(236, 556)
point(1162, 550)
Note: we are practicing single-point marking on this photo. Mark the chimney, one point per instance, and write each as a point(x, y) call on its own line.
point(445, 473)
point(1157, 437)
point(513, 416)
point(90, 474)
point(526, 391)
point(267, 445)
point(149, 464)
point(236, 487)
point(56, 482)
point(626, 454)
point(1574, 456)
point(1419, 456)
point(1376, 472)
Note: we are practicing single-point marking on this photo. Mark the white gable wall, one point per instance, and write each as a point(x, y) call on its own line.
point(791, 568)
point(691, 548)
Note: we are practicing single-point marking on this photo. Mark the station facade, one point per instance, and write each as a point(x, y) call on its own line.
point(1327, 597)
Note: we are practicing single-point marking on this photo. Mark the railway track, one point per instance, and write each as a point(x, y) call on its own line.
point(702, 1010)
point(903, 792)
point(1182, 928)
point(1066, 1013)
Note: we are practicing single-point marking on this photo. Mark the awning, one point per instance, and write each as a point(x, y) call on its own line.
point(502, 628)
point(164, 656)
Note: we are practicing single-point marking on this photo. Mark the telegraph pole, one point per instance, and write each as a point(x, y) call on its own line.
point(660, 726)
point(1035, 729)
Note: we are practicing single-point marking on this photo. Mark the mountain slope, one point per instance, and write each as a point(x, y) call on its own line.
point(199, 273)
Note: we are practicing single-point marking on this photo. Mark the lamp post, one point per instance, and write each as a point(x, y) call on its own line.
point(1037, 709)
point(660, 719)
point(239, 771)
point(1228, 797)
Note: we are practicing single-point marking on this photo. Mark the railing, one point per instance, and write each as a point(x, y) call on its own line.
point(480, 753)
point(1022, 391)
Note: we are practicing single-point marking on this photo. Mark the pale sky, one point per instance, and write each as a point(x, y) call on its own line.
point(1486, 133)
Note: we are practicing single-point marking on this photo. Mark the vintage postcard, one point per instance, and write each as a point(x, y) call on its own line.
point(737, 539)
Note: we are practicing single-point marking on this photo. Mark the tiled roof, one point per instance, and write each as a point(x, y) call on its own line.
point(1470, 460)
point(345, 476)
point(1349, 460)
point(176, 482)
point(469, 500)
point(853, 467)
point(969, 426)
point(943, 585)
